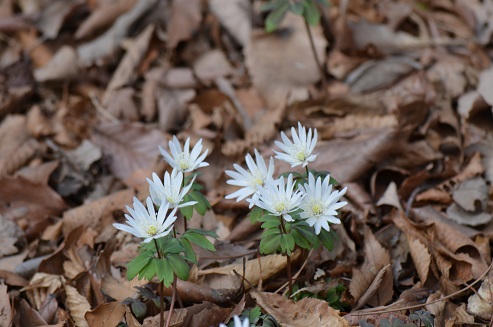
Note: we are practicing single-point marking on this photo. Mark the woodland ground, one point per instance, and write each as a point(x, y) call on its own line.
point(90, 88)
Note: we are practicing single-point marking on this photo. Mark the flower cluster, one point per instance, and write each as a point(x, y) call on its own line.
point(281, 197)
point(170, 194)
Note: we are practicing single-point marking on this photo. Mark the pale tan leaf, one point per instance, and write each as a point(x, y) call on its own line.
point(77, 306)
point(41, 286)
point(270, 265)
point(306, 312)
point(390, 197)
point(211, 65)
point(104, 15)
point(5, 308)
point(486, 85)
point(235, 16)
point(479, 303)
point(126, 71)
point(421, 258)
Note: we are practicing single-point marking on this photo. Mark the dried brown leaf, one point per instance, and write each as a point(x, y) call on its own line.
point(126, 70)
point(421, 258)
point(54, 15)
point(269, 266)
point(63, 66)
point(184, 20)
point(39, 174)
point(106, 314)
point(130, 145)
point(17, 147)
point(376, 258)
point(109, 42)
point(97, 214)
point(235, 16)
point(41, 286)
point(77, 306)
point(306, 312)
point(211, 65)
point(5, 308)
point(276, 71)
point(104, 15)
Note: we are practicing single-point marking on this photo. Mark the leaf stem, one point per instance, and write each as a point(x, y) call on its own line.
point(161, 290)
point(315, 55)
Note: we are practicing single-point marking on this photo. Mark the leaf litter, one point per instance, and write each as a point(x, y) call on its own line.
point(90, 89)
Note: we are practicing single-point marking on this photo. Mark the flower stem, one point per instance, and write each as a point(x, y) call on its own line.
point(290, 278)
point(288, 262)
point(161, 291)
point(184, 218)
point(315, 55)
point(173, 300)
point(307, 172)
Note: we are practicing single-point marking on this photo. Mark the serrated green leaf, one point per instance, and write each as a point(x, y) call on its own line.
point(311, 13)
point(179, 266)
point(200, 240)
point(135, 266)
point(275, 17)
point(164, 271)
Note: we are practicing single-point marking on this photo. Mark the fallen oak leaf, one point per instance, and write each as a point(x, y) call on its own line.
point(77, 305)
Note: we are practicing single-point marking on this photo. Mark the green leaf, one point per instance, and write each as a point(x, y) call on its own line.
point(296, 8)
point(200, 240)
point(189, 252)
point(149, 271)
point(327, 239)
point(311, 13)
point(271, 5)
point(308, 232)
point(271, 223)
point(287, 243)
point(255, 214)
point(270, 242)
point(187, 211)
point(209, 233)
point(202, 203)
point(275, 17)
point(179, 266)
point(300, 240)
point(173, 246)
point(164, 272)
point(135, 266)
point(139, 309)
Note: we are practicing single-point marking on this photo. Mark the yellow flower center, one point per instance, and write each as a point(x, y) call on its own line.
point(152, 230)
point(318, 209)
point(258, 181)
point(280, 206)
point(301, 156)
point(183, 165)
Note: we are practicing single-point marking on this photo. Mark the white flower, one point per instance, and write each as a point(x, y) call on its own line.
point(320, 203)
point(278, 197)
point(238, 322)
point(299, 151)
point(184, 160)
point(144, 223)
point(250, 180)
point(171, 191)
